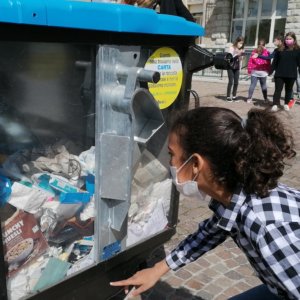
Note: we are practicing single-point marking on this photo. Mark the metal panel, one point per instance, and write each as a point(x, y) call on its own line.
point(114, 165)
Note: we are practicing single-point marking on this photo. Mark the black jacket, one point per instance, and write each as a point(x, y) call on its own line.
point(175, 8)
point(285, 63)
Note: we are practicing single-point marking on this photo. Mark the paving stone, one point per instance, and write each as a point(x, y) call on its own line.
point(245, 270)
point(231, 263)
point(224, 254)
point(205, 295)
point(174, 281)
point(243, 286)
point(213, 289)
point(183, 274)
point(223, 282)
point(194, 284)
point(193, 268)
point(220, 267)
point(233, 275)
point(231, 291)
point(204, 278)
point(203, 263)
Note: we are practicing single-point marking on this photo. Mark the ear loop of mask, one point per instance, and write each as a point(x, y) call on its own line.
point(184, 164)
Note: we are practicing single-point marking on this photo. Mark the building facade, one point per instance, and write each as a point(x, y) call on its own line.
point(224, 20)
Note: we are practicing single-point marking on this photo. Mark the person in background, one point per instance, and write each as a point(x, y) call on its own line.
point(259, 69)
point(278, 42)
point(141, 3)
point(237, 51)
point(285, 64)
point(169, 7)
point(237, 162)
point(297, 88)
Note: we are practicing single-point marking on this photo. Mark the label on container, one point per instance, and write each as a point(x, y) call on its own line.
point(167, 62)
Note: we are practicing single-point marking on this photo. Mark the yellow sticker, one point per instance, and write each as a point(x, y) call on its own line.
point(167, 62)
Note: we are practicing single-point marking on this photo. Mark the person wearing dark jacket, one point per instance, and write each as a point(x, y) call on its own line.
point(285, 64)
point(175, 8)
point(168, 7)
point(278, 42)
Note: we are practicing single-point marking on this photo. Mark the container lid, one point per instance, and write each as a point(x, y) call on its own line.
point(109, 17)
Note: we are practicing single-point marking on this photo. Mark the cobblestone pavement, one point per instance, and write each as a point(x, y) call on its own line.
point(224, 271)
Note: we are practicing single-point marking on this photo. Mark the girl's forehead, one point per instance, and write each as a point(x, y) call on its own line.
point(173, 138)
point(173, 142)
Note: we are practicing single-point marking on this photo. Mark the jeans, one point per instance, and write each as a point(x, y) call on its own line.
point(279, 83)
point(260, 292)
point(263, 84)
point(233, 79)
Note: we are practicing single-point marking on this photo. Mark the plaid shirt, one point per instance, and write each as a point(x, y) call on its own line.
point(267, 230)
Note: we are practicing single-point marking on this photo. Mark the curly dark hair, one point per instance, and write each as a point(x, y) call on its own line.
point(248, 152)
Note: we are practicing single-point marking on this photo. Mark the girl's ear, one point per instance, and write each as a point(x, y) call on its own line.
point(198, 163)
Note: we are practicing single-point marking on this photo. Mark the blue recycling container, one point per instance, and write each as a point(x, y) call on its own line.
point(87, 92)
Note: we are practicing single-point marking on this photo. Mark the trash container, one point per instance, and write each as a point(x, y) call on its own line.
point(86, 94)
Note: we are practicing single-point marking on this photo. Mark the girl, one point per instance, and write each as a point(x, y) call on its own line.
point(259, 69)
point(285, 64)
point(237, 162)
point(237, 51)
point(278, 42)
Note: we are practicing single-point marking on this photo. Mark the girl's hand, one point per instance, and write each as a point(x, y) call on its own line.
point(143, 280)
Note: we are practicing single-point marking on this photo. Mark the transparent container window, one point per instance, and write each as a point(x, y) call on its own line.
point(150, 198)
point(47, 166)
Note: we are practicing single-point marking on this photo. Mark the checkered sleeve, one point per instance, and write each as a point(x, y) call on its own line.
point(279, 245)
point(207, 237)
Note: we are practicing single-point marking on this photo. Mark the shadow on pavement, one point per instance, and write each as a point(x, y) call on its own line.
point(163, 291)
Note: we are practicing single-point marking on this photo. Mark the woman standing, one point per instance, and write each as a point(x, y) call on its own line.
point(285, 64)
point(237, 51)
point(238, 163)
point(259, 69)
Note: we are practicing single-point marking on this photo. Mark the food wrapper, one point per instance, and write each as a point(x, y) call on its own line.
point(23, 241)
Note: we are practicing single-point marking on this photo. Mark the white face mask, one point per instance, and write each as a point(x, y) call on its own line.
point(188, 188)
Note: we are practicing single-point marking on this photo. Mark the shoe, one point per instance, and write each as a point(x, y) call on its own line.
point(249, 100)
point(291, 103)
point(228, 99)
point(235, 99)
point(266, 100)
point(274, 108)
point(286, 107)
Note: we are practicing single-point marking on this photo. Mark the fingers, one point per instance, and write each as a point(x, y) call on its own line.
point(134, 280)
point(126, 282)
point(138, 291)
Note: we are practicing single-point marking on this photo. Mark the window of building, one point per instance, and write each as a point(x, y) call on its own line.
point(258, 19)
